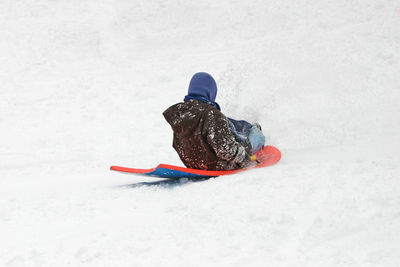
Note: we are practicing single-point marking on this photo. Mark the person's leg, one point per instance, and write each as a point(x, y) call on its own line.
point(257, 139)
point(244, 130)
point(240, 129)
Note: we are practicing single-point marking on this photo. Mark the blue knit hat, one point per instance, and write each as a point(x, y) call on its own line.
point(203, 88)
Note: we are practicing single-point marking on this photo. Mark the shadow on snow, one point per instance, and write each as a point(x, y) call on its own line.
point(167, 183)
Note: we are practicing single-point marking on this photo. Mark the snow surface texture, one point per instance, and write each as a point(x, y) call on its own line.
point(83, 84)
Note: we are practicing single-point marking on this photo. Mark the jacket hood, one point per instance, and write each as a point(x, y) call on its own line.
point(185, 117)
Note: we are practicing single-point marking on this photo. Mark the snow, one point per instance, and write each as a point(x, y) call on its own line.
point(83, 84)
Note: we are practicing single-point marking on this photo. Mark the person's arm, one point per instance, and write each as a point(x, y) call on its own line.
point(222, 140)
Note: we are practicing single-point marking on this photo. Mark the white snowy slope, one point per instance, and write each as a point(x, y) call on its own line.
point(83, 84)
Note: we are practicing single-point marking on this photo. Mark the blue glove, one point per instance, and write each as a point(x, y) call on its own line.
point(257, 139)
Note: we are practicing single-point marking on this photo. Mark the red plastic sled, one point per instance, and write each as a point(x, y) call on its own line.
point(267, 156)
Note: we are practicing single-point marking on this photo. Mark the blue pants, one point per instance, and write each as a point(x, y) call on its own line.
point(243, 130)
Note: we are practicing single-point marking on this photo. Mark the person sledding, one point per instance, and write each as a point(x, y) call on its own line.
point(204, 137)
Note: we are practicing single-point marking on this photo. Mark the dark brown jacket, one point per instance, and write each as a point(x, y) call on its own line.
point(203, 139)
